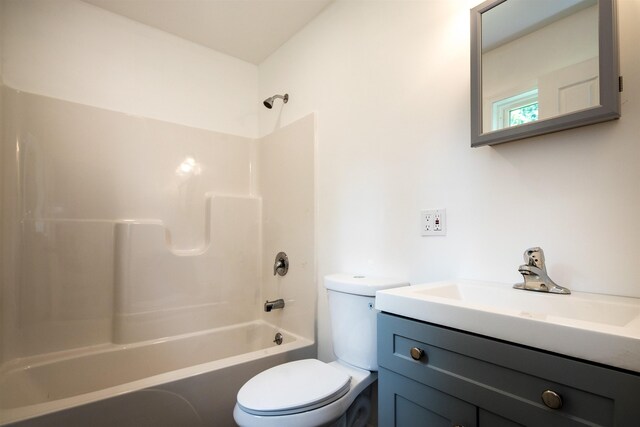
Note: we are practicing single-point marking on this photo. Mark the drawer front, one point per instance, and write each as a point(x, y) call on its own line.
point(503, 378)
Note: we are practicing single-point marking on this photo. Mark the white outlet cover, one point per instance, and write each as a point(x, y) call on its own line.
point(433, 222)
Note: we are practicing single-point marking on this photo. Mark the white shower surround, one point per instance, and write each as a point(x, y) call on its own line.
point(91, 272)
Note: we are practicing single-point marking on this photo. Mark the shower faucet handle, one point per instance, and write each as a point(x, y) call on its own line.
point(281, 264)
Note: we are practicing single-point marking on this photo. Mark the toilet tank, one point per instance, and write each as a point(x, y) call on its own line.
point(353, 316)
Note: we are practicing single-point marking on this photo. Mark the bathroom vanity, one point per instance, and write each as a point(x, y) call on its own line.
point(433, 374)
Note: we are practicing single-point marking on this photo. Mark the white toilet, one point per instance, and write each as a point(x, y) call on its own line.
point(310, 393)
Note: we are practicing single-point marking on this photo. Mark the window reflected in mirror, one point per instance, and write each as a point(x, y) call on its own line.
point(540, 60)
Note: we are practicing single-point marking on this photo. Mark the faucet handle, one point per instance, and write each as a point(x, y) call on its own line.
point(535, 257)
point(281, 264)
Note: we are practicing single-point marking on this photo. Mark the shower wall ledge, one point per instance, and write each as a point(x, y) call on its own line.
point(159, 291)
point(86, 282)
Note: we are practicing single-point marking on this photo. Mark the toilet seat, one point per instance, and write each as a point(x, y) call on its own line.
point(292, 388)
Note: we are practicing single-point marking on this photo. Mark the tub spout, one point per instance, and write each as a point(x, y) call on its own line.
point(270, 305)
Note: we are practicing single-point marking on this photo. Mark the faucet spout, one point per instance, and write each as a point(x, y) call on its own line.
point(535, 274)
point(530, 270)
point(275, 304)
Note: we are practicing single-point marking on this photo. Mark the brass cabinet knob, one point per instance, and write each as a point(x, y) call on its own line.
point(416, 353)
point(552, 399)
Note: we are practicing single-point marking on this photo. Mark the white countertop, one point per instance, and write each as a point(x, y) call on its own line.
point(599, 328)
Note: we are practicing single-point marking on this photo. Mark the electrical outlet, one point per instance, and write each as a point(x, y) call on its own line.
point(433, 222)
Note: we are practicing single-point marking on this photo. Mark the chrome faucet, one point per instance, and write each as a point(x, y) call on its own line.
point(270, 305)
point(535, 274)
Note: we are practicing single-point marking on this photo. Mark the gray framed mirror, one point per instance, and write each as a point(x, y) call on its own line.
point(541, 66)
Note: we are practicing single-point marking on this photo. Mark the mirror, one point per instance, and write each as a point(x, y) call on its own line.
point(540, 66)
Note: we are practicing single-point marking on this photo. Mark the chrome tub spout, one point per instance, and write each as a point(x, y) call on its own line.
point(271, 305)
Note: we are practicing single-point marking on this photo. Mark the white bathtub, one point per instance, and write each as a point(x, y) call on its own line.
point(186, 380)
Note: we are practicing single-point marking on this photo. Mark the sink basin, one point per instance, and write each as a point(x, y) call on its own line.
point(584, 307)
point(599, 328)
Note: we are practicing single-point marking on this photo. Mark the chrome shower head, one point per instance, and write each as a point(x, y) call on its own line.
point(269, 101)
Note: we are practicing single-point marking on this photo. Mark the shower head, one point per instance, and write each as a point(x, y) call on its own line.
point(269, 101)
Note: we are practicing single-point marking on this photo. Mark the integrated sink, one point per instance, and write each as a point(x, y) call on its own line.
point(584, 307)
point(598, 328)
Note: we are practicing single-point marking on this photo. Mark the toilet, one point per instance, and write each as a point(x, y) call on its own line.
point(312, 393)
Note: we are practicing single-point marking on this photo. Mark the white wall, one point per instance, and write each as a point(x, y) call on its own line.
point(74, 51)
point(389, 81)
point(529, 57)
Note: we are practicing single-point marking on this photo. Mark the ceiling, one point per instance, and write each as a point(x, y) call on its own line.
point(515, 18)
point(250, 30)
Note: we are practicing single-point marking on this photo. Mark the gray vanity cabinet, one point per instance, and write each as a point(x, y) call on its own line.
point(432, 376)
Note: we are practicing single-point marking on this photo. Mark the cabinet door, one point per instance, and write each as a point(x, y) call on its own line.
point(404, 402)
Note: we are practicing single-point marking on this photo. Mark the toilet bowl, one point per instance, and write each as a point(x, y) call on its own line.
point(301, 393)
point(312, 393)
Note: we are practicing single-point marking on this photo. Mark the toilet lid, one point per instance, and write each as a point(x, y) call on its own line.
point(293, 387)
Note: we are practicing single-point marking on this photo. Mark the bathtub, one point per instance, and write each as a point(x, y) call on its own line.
point(185, 380)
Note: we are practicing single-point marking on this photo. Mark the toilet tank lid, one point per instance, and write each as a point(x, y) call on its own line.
point(360, 284)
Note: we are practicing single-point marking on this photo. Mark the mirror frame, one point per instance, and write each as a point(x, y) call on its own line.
point(610, 83)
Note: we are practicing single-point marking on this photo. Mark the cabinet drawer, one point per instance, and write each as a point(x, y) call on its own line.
point(505, 378)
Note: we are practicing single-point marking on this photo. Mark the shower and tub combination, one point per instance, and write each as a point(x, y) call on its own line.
point(137, 264)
